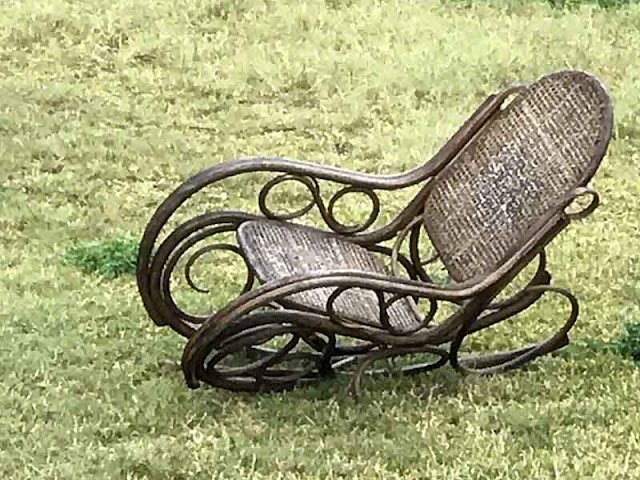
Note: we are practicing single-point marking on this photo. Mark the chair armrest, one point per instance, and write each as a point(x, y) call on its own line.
point(232, 168)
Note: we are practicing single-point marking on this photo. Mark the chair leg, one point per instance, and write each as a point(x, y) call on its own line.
point(508, 360)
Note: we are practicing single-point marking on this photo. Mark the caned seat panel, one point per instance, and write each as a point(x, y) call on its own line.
point(277, 249)
point(547, 141)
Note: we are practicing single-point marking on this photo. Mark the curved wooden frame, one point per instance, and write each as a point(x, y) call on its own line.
point(260, 314)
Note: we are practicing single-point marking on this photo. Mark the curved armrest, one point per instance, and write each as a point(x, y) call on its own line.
point(274, 290)
point(240, 166)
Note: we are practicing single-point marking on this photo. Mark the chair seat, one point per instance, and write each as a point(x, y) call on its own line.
point(277, 249)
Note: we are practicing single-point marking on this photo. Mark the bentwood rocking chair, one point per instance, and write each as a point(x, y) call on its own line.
point(489, 201)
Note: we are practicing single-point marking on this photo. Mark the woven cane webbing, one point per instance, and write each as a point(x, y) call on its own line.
point(276, 250)
point(543, 144)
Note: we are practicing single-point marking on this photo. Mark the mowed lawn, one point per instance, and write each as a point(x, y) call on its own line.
point(105, 107)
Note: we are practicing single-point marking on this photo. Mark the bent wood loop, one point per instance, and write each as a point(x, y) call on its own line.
point(316, 301)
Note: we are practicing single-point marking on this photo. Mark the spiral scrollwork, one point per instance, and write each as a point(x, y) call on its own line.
point(385, 301)
point(580, 213)
point(217, 247)
point(310, 183)
point(423, 323)
point(326, 211)
point(183, 245)
point(336, 226)
point(237, 360)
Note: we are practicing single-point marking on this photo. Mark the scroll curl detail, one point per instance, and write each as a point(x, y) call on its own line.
point(238, 359)
point(310, 183)
point(326, 211)
point(189, 242)
point(585, 211)
point(337, 226)
point(216, 247)
point(385, 302)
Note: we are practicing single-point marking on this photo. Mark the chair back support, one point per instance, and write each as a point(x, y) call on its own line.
point(549, 140)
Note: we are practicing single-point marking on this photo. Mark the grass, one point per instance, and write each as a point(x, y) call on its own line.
point(106, 107)
point(628, 344)
point(110, 257)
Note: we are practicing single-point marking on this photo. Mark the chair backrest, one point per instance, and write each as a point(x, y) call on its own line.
point(549, 140)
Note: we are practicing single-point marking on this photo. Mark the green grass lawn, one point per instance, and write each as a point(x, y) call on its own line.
point(106, 106)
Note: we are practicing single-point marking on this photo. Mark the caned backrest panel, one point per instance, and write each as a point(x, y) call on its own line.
point(547, 141)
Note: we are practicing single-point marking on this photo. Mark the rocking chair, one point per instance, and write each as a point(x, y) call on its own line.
point(489, 201)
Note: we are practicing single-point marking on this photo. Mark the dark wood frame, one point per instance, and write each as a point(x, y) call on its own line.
point(258, 314)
